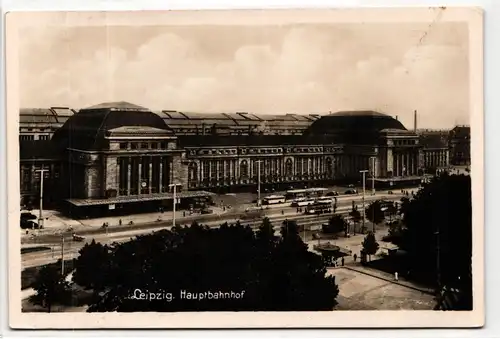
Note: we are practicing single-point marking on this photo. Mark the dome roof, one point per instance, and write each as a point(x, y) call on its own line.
point(86, 129)
point(354, 126)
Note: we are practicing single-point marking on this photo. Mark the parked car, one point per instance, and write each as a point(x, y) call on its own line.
point(29, 224)
point(351, 191)
point(332, 194)
point(78, 238)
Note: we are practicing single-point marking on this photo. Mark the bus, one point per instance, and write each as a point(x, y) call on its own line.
point(328, 200)
point(319, 208)
point(300, 202)
point(306, 193)
point(274, 199)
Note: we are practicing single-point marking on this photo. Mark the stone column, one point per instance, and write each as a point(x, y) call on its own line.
point(161, 175)
point(396, 168)
point(407, 163)
point(410, 163)
point(140, 175)
point(150, 178)
point(129, 174)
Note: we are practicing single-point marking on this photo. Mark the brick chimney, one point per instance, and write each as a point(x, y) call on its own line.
point(415, 121)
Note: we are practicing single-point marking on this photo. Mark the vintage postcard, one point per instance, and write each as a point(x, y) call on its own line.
point(245, 169)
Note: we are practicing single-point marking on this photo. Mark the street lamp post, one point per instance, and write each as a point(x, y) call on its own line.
point(40, 216)
point(258, 182)
point(373, 174)
point(174, 199)
point(364, 189)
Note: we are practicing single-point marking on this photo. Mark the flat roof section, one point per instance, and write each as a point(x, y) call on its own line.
point(138, 198)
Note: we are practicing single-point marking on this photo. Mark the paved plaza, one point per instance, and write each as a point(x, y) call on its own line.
point(360, 291)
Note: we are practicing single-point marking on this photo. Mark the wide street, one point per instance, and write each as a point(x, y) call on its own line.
point(277, 214)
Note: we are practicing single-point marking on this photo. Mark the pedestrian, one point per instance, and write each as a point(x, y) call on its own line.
point(342, 261)
point(396, 276)
point(184, 214)
point(282, 212)
point(120, 222)
point(355, 257)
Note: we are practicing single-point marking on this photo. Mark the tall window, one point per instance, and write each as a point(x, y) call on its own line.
point(144, 175)
point(244, 169)
point(192, 173)
point(213, 169)
point(123, 186)
point(288, 167)
point(329, 171)
point(206, 170)
point(155, 180)
point(166, 175)
point(228, 169)
point(26, 179)
point(298, 166)
point(134, 176)
point(221, 168)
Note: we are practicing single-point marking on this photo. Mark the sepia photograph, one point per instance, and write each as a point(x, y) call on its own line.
point(273, 168)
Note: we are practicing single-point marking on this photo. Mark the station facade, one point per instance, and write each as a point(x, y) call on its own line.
point(115, 156)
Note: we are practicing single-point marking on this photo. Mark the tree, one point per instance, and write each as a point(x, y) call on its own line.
point(405, 202)
point(356, 218)
point(437, 234)
point(51, 288)
point(374, 212)
point(370, 245)
point(92, 266)
point(392, 209)
point(335, 225)
point(275, 273)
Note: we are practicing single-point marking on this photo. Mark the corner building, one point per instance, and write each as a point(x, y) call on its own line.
point(119, 156)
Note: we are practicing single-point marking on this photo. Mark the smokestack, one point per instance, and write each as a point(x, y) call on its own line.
point(397, 117)
point(415, 121)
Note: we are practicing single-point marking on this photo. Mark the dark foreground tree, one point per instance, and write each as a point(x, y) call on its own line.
point(230, 268)
point(370, 245)
point(438, 235)
point(51, 288)
point(92, 266)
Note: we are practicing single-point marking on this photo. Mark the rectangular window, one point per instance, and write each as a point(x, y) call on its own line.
point(123, 145)
point(144, 145)
point(133, 145)
point(44, 137)
point(26, 137)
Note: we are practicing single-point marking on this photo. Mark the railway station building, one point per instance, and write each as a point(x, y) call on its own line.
point(117, 157)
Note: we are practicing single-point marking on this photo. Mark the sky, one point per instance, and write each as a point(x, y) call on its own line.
point(304, 69)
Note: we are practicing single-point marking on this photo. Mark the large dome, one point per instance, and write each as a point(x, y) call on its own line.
point(86, 129)
point(353, 126)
